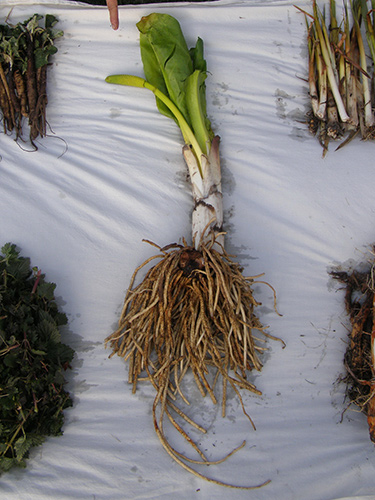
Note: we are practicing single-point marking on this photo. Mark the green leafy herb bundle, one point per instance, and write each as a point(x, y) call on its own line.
point(25, 49)
point(32, 359)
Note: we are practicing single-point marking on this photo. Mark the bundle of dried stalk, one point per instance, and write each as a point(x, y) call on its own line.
point(194, 310)
point(359, 358)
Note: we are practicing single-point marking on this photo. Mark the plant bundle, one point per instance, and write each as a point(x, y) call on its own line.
point(32, 360)
point(341, 72)
point(25, 49)
point(194, 309)
point(359, 359)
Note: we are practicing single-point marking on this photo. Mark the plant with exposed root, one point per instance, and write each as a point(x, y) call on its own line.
point(194, 309)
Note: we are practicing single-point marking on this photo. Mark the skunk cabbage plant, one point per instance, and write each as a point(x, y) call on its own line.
point(194, 310)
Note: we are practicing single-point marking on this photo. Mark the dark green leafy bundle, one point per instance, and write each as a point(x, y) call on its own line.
point(32, 359)
point(25, 49)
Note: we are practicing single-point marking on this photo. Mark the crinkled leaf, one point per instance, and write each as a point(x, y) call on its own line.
point(32, 24)
point(50, 21)
point(7, 463)
point(9, 252)
point(42, 54)
point(46, 290)
point(48, 330)
point(24, 443)
point(166, 58)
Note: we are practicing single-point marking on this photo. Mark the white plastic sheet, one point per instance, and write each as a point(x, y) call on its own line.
point(111, 173)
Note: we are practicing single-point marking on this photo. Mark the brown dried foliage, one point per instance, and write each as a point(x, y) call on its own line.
point(359, 356)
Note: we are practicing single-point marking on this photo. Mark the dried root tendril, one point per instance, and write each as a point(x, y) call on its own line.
point(194, 310)
point(359, 359)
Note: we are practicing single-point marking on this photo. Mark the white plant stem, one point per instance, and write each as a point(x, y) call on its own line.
point(328, 58)
point(207, 217)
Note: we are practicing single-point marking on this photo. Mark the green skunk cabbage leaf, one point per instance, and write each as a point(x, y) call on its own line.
point(176, 76)
point(200, 64)
point(166, 59)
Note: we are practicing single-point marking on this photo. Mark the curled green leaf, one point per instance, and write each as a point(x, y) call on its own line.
point(166, 59)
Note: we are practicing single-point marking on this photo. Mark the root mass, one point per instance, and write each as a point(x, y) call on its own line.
point(359, 357)
point(194, 310)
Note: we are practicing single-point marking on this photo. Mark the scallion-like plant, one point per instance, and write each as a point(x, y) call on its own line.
point(194, 309)
point(340, 72)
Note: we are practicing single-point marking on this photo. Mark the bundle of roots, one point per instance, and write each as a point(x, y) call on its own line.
point(194, 310)
point(359, 358)
point(25, 50)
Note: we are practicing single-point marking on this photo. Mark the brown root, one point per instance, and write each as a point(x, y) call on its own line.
point(20, 86)
point(194, 310)
point(359, 356)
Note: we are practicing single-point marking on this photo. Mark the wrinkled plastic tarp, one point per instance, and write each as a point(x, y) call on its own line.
point(111, 173)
